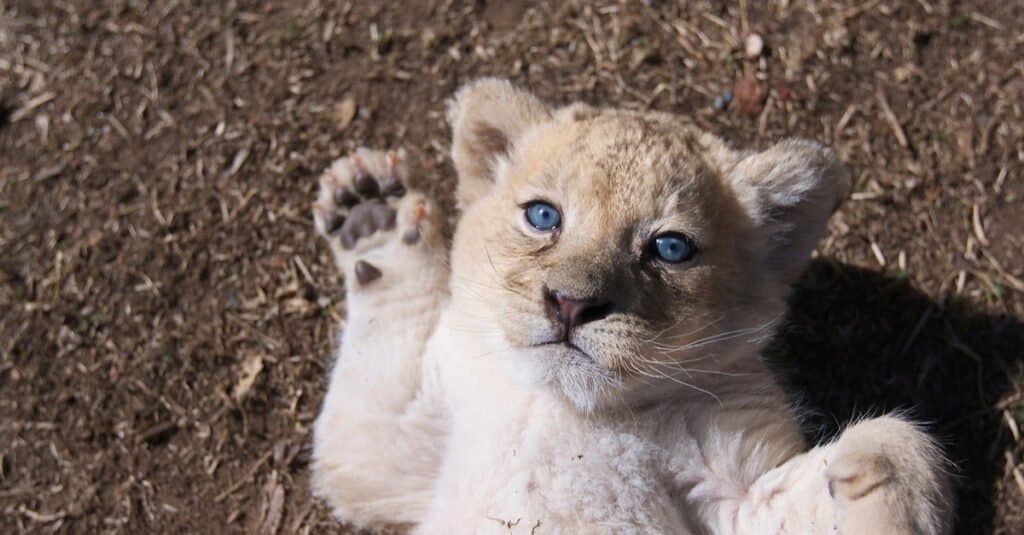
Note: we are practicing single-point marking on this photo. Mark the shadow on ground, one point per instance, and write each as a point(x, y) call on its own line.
point(860, 342)
point(5, 115)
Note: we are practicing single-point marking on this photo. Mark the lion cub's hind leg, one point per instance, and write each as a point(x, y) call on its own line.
point(378, 437)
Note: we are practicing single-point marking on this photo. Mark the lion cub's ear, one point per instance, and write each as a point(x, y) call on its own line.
point(487, 117)
point(789, 191)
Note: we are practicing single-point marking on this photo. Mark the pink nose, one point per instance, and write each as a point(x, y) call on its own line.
point(573, 312)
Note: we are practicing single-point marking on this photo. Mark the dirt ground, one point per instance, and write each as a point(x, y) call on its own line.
point(166, 313)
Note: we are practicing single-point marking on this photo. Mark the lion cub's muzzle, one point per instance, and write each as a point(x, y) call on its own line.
point(570, 311)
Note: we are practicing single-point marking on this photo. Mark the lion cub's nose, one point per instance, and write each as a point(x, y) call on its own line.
point(573, 311)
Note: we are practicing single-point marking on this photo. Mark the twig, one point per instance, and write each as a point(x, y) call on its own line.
point(246, 478)
point(744, 21)
point(979, 230)
point(890, 118)
point(917, 330)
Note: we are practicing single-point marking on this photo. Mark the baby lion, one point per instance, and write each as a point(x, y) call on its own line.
point(586, 357)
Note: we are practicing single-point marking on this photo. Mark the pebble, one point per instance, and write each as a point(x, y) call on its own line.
point(344, 112)
point(722, 101)
point(754, 45)
point(750, 94)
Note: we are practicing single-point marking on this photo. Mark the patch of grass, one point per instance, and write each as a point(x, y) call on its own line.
point(290, 29)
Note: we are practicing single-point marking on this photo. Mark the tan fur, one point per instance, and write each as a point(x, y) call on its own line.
point(677, 423)
point(619, 177)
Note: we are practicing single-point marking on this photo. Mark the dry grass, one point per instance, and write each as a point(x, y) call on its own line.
point(166, 313)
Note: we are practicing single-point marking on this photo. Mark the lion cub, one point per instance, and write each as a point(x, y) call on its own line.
point(586, 358)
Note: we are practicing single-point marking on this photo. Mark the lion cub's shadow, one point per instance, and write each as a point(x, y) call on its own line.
point(859, 342)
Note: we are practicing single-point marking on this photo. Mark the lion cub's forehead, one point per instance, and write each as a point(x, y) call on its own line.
point(622, 160)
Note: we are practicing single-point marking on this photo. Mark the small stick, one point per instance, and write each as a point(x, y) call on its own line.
point(246, 478)
point(877, 251)
point(979, 230)
point(845, 119)
point(890, 118)
point(744, 21)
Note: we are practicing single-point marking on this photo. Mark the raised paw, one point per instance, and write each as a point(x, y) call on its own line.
point(887, 477)
point(354, 194)
point(369, 217)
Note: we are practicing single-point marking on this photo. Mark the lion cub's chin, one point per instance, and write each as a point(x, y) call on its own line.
point(565, 371)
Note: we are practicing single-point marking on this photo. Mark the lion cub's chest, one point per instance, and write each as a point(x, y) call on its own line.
point(518, 457)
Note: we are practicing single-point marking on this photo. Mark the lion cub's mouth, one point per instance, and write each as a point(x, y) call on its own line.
point(565, 345)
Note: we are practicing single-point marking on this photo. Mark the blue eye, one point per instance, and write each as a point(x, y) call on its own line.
point(543, 216)
point(673, 248)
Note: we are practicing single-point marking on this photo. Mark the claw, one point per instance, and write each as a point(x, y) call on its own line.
point(357, 163)
point(392, 159)
point(419, 212)
point(392, 186)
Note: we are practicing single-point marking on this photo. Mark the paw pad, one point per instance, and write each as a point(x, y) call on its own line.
point(354, 201)
point(367, 186)
point(411, 236)
point(366, 272)
point(344, 197)
point(364, 220)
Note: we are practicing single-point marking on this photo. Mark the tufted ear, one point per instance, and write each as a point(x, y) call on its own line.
point(789, 191)
point(488, 117)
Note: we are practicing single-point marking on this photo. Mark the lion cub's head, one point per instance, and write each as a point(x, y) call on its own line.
point(617, 255)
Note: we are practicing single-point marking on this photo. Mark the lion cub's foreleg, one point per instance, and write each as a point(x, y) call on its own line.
point(378, 436)
point(881, 475)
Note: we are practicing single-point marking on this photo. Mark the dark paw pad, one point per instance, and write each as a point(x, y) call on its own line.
point(367, 186)
point(345, 198)
point(360, 208)
point(364, 220)
point(392, 187)
point(366, 272)
point(411, 236)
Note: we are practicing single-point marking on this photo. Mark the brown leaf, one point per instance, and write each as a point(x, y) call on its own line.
point(247, 374)
point(344, 112)
point(266, 516)
point(965, 142)
point(298, 306)
point(749, 94)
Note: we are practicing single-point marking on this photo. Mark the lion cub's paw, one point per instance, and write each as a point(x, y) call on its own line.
point(369, 217)
point(887, 476)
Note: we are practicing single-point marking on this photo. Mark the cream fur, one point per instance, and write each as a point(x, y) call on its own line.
point(443, 414)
